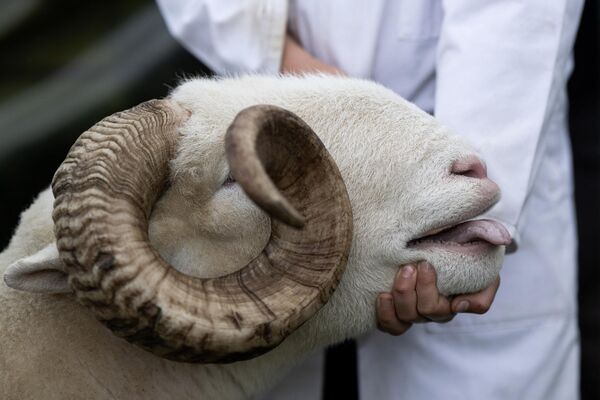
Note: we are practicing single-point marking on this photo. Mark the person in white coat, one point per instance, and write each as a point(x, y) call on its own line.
point(495, 72)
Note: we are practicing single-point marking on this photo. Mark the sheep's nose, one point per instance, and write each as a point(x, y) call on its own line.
point(470, 166)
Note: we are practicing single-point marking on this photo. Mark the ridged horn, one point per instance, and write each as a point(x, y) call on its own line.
point(106, 188)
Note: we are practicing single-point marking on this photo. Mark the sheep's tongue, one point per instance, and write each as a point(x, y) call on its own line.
point(484, 229)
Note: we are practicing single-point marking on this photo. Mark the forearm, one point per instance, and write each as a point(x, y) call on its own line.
point(296, 60)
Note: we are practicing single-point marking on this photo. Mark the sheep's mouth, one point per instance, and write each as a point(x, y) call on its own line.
point(467, 236)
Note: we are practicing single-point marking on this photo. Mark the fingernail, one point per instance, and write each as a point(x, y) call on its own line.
point(408, 271)
point(424, 266)
point(462, 306)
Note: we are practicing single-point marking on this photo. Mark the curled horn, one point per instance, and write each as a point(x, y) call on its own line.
point(106, 188)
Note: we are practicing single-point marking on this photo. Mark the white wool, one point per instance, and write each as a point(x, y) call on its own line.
point(395, 161)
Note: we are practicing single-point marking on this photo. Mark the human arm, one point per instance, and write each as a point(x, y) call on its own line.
point(230, 36)
point(296, 60)
point(236, 37)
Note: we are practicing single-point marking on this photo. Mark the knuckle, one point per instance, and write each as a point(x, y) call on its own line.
point(478, 307)
point(386, 327)
point(402, 290)
point(407, 315)
point(436, 310)
point(427, 309)
point(426, 279)
point(444, 318)
point(386, 320)
point(399, 329)
point(439, 314)
point(426, 274)
point(382, 327)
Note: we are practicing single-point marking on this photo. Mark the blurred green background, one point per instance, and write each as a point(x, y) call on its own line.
point(64, 65)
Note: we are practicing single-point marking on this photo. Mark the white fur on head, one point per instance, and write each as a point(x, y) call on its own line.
point(395, 161)
point(394, 158)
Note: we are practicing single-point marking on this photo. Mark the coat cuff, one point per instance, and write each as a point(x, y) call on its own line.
point(274, 31)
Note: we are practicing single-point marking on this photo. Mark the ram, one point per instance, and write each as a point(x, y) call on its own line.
point(227, 231)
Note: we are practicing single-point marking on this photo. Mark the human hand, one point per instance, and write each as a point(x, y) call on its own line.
point(415, 298)
point(296, 60)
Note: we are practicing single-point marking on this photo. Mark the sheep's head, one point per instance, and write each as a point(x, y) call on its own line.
point(234, 280)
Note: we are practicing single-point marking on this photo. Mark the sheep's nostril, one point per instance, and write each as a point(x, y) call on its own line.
point(470, 166)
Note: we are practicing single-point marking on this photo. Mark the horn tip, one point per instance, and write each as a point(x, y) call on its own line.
point(294, 218)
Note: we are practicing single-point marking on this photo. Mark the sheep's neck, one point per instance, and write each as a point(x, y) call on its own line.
point(347, 314)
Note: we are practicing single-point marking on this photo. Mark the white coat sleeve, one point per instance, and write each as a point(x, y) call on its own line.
point(497, 69)
point(230, 36)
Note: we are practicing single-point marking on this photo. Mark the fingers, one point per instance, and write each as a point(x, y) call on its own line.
point(387, 321)
point(404, 294)
point(476, 303)
point(415, 295)
point(430, 303)
point(415, 298)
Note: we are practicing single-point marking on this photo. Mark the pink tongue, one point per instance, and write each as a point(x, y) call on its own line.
point(483, 229)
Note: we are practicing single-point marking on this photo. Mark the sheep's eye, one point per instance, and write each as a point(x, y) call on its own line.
point(229, 180)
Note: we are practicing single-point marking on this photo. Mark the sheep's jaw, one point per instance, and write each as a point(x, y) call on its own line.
point(475, 236)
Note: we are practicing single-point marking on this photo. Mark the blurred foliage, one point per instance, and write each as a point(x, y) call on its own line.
point(66, 64)
point(49, 34)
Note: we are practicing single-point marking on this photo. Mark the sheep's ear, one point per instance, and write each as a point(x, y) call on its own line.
point(42, 272)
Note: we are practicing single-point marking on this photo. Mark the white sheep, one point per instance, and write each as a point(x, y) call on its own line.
point(406, 179)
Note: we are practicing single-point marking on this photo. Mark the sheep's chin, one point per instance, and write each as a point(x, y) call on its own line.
point(464, 271)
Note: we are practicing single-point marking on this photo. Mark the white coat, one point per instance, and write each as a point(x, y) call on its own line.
point(495, 72)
